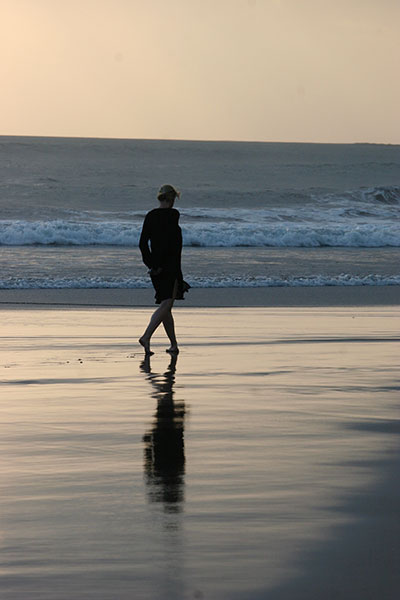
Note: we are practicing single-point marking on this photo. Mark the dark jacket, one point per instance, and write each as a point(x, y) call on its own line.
point(161, 241)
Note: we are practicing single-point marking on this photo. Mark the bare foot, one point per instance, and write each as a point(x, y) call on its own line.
point(173, 350)
point(146, 345)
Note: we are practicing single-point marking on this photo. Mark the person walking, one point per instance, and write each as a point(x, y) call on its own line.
point(161, 247)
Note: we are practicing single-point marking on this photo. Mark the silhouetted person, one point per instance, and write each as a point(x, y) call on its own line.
point(161, 247)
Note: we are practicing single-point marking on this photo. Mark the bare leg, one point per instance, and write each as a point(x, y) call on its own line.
point(169, 327)
point(156, 319)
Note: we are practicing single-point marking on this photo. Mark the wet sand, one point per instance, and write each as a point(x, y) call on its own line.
point(263, 463)
point(208, 297)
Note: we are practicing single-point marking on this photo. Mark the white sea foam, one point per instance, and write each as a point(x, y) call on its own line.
point(89, 282)
point(292, 281)
point(205, 234)
point(199, 282)
point(68, 233)
point(293, 235)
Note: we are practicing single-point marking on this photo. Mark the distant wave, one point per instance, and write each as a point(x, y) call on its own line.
point(199, 282)
point(386, 195)
point(389, 195)
point(372, 234)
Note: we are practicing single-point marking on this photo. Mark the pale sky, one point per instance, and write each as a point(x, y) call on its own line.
point(263, 70)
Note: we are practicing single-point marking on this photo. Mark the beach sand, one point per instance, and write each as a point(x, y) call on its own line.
point(261, 464)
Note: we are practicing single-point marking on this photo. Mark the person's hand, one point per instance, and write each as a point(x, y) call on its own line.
point(155, 271)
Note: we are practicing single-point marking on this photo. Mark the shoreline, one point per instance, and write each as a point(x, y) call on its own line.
point(205, 297)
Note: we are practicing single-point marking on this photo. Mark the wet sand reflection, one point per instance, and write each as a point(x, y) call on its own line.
point(164, 452)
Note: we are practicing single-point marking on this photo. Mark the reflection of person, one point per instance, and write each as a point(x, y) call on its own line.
point(163, 257)
point(164, 443)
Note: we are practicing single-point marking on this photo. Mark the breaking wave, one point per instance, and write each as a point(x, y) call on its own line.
point(199, 282)
point(367, 218)
point(222, 234)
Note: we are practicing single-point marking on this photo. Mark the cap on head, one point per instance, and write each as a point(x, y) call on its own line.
point(167, 192)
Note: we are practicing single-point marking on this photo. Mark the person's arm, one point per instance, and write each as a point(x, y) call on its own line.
point(179, 248)
point(144, 244)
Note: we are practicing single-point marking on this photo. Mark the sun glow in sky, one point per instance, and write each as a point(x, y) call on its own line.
point(268, 70)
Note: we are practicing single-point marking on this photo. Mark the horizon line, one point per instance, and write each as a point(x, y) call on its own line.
point(207, 141)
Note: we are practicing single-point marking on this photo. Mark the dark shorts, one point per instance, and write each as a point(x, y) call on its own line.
point(166, 286)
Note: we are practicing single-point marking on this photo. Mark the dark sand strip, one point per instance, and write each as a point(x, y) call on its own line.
point(210, 297)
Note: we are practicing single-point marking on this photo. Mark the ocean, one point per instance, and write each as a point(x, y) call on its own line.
point(252, 214)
